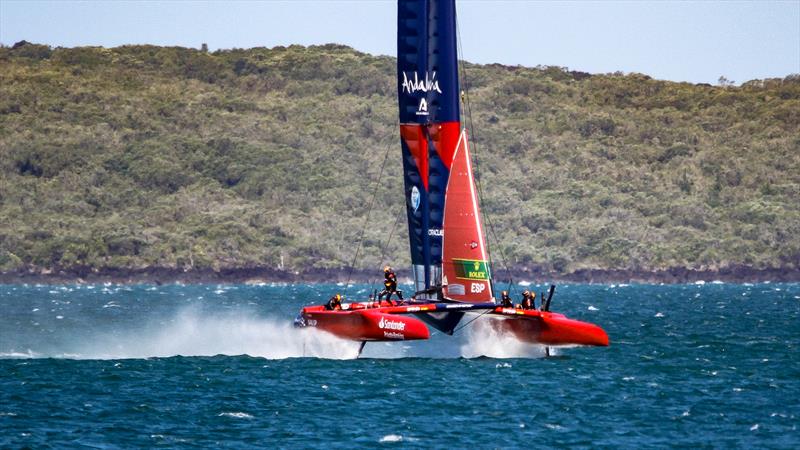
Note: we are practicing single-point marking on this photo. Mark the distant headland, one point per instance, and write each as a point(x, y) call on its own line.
point(256, 275)
point(160, 164)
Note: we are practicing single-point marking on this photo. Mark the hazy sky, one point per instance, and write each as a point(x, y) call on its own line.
point(695, 41)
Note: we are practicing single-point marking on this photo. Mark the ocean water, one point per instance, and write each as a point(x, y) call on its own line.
point(113, 366)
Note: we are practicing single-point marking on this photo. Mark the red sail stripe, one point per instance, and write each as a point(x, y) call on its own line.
point(417, 143)
point(445, 137)
point(465, 263)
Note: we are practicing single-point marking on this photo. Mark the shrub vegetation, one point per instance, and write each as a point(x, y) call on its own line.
point(142, 156)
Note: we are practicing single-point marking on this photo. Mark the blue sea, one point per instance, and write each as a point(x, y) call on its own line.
point(706, 365)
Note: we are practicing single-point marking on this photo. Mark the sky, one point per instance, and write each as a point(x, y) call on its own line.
point(695, 41)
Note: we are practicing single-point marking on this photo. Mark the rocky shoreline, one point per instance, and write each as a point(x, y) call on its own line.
point(162, 275)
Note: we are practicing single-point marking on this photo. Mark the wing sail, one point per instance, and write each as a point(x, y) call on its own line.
point(427, 89)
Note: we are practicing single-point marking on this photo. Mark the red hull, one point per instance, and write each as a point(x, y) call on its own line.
point(360, 323)
point(548, 328)
point(385, 322)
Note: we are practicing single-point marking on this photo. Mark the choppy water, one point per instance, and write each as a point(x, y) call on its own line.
point(713, 365)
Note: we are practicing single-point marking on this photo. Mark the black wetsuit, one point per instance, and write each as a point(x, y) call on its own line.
point(505, 302)
point(333, 304)
point(528, 303)
point(390, 287)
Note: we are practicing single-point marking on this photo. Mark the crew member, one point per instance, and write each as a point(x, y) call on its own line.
point(335, 303)
point(389, 285)
point(505, 300)
point(528, 301)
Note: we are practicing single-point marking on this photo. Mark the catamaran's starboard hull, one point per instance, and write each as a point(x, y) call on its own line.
point(538, 327)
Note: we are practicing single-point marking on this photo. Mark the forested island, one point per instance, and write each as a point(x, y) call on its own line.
point(160, 163)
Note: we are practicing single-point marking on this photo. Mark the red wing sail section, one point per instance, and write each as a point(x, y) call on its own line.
point(417, 143)
point(465, 264)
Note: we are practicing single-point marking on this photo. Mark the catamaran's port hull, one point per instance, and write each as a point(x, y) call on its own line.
point(358, 323)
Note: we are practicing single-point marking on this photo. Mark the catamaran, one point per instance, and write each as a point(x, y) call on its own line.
point(450, 262)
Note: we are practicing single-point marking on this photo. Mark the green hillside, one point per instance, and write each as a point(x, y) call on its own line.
point(162, 157)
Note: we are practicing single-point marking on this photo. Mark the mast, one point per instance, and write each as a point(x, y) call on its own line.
point(427, 88)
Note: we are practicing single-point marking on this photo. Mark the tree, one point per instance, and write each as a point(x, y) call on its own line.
point(724, 82)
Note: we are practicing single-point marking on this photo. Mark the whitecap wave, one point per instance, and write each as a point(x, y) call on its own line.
point(19, 355)
point(236, 415)
point(391, 438)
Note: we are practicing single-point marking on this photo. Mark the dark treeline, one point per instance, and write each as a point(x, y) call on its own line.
point(142, 157)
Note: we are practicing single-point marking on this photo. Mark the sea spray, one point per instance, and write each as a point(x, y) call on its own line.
point(484, 340)
point(194, 333)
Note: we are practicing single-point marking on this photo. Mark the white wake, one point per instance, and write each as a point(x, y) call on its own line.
point(193, 334)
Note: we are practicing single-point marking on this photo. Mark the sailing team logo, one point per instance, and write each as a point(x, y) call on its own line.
point(423, 107)
point(412, 85)
point(414, 198)
point(471, 269)
point(428, 84)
